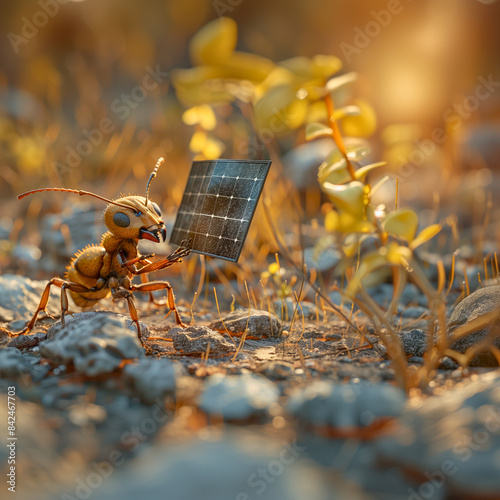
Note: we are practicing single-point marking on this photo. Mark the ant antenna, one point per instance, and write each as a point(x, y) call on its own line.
point(160, 161)
point(76, 191)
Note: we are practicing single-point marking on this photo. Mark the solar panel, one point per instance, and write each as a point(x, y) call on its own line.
point(218, 205)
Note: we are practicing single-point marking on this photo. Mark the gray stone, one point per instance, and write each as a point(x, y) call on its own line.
point(194, 340)
point(301, 163)
point(155, 378)
point(477, 304)
point(239, 397)
point(455, 436)
point(276, 370)
point(20, 296)
point(27, 341)
point(414, 312)
point(259, 324)
point(344, 406)
point(226, 467)
point(95, 345)
point(323, 262)
point(414, 342)
point(13, 363)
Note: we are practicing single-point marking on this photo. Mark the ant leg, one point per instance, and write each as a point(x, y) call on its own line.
point(125, 294)
point(152, 300)
point(161, 285)
point(75, 287)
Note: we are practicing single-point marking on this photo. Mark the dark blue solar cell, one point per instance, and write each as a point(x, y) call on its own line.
point(219, 201)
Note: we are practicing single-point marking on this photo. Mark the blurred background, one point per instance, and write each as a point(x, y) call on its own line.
point(86, 100)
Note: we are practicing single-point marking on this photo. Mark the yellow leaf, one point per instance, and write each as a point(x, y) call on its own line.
point(332, 221)
point(198, 141)
point(349, 197)
point(338, 82)
point(402, 223)
point(314, 130)
point(213, 148)
point(425, 235)
point(319, 67)
point(200, 85)
point(246, 66)
point(279, 110)
point(215, 42)
point(345, 111)
point(363, 125)
point(369, 263)
point(325, 66)
point(273, 268)
point(334, 168)
point(362, 172)
point(203, 115)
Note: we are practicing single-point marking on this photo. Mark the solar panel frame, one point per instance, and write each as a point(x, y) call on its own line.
point(203, 208)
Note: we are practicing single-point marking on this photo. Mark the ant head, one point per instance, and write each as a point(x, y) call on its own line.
point(140, 220)
point(129, 217)
point(133, 217)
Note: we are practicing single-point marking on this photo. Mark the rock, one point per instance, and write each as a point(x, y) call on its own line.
point(95, 344)
point(451, 440)
point(477, 304)
point(414, 342)
point(13, 363)
point(345, 406)
point(301, 163)
point(323, 262)
point(413, 312)
point(276, 370)
point(27, 341)
point(448, 364)
point(154, 379)
point(103, 314)
point(259, 324)
point(194, 340)
point(20, 296)
point(239, 397)
point(230, 467)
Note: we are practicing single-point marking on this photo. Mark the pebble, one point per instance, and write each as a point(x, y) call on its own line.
point(239, 397)
point(195, 339)
point(13, 363)
point(453, 438)
point(345, 406)
point(258, 324)
point(154, 379)
point(234, 466)
point(414, 342)
point(477, 304)
point(20, 296)
point(95, 344)
point(276, 370)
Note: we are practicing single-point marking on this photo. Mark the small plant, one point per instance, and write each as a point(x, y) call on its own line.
point(281, 99)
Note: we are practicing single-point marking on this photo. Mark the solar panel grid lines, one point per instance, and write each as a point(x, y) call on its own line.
point(218, 205)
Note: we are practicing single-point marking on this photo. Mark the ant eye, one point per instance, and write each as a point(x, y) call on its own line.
point(156, 208)
point(121, 219)
point(138, 213)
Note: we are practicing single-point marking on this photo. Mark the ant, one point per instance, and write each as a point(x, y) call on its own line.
point(98, 270)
